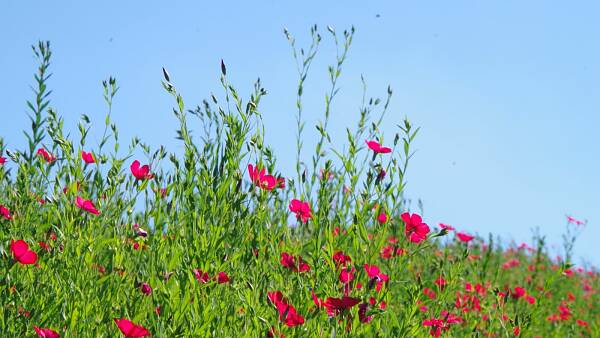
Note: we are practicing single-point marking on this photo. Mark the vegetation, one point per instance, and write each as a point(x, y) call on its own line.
point(100, 239)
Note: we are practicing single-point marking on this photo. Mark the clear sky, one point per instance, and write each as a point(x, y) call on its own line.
point(507, 94)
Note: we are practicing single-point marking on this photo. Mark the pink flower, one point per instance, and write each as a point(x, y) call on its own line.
point(131, 330)
point(201, 276)
point(575, 221)
point(447, 227)
point(287, 313)
point(377, 148)
point(21, 253)
point(336, 306)
point(2, 160)
point(146, 289)
point(46, 333)
point(46, 155)
point(141, 173)
point(258, 177)
point(416, 230)
point(518, 292)
point(87, 157)
point(302, 210)
point(222, 277)
point(347, 275)
point(4, 212)
point(340, 258)
point(530, 299)
point(86, 205)
point(289, 262)
point(382, 218)
point(464, 237)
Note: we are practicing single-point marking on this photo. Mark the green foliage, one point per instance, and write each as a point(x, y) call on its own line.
point(205, 213)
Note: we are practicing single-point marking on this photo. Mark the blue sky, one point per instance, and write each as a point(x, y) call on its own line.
point(506, 94)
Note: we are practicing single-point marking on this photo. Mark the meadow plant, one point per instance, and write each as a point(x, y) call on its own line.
point(104, 239)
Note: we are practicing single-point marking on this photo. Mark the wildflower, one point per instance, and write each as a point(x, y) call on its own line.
point(201, 276)
point(347, 275)
point(336, 306)
point(2, 160)
point(86, 205)
point(46, 155)
point(289, 262)
point(88, 157)
point(340, 258)
point(447, 227)
point(382, 218)
point(530, 299)
point(46, 333)
point(440, 282)
point(44, 246)
point(302, 210)
point(4, 212)
point(131, 330)
point(21, 253)
point(141, 173)
point(222, 277)
point(287, 313)
point(146, 289)
point(464, 237)
point(582, 323)
point(518, 292)
point(416, 230)
point(574, 221)
point(375, 276)
point(377, 148)
point(258, 177)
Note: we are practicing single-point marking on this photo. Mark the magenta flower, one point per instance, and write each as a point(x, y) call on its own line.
point(416, 230)
point(377, 148)
point(86, 205)
point(88, 157)
point(302, 210)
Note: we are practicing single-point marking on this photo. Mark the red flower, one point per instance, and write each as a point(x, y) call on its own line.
point(289, 262)
point(518, 292)
point(575, 221)
point(340, 258)
point(21, 253)
point(530, 299)
point(201, 276)
point(440, 282)
point(44, 246)
point(87, 157)
point(258, 177)
point(416, 230)
point(336, 306)
point(463, 237)
point(146, 289)
point(346, 276)
point(222, 277)
point(377, 148)
point(447, 227)
point(141, 173)
point(382, 218)
point(302, 210)
point(4, 212)
point(130, 329)
point(86, 205)
point(46, 333)
point(2, 160)
point(287, 313)
point(46, 155)
point(362, 313)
